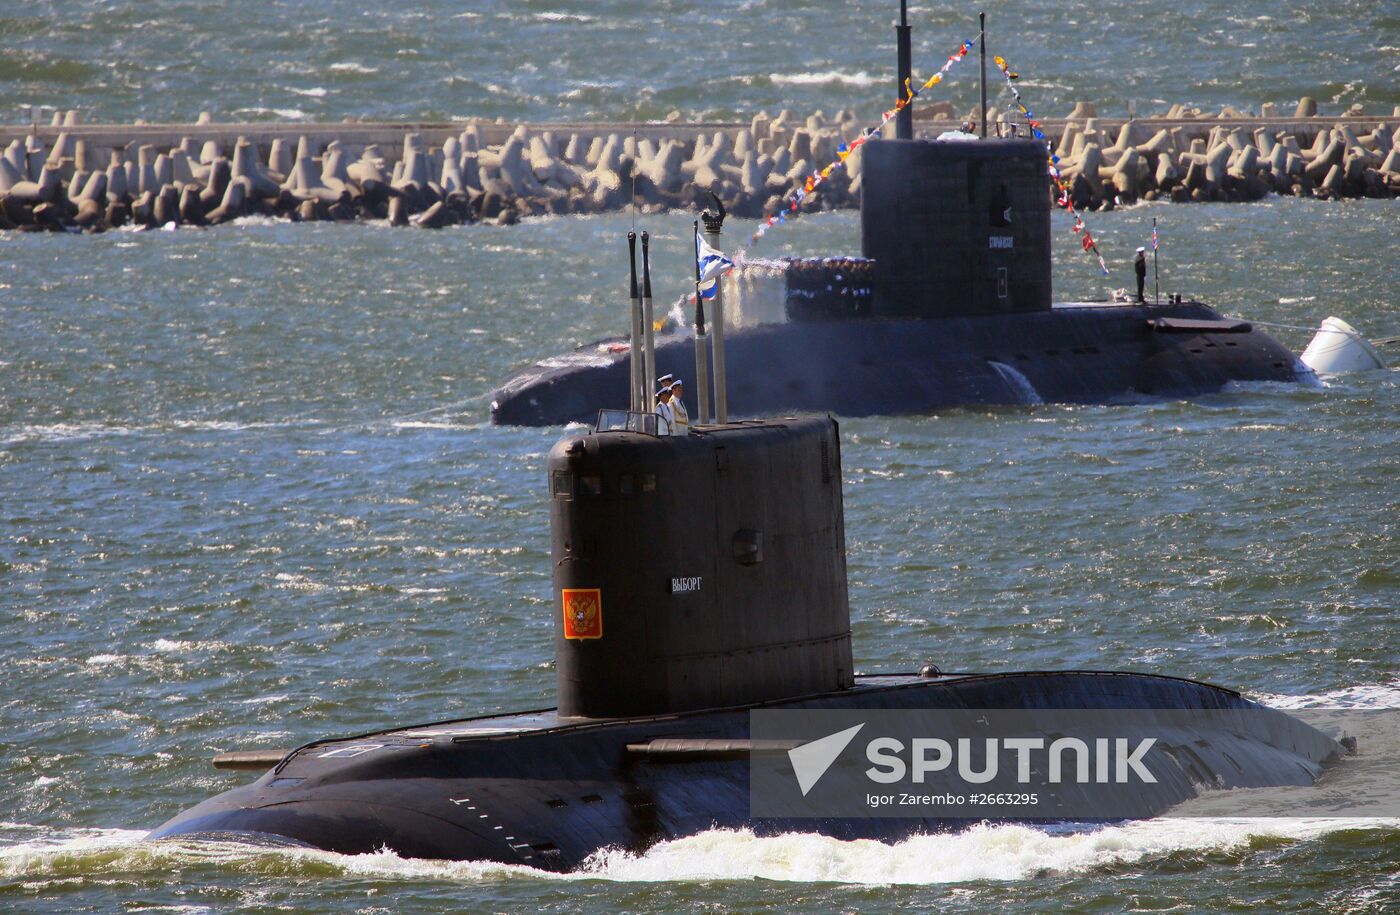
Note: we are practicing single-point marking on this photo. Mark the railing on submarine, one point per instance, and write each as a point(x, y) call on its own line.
point(626, 421)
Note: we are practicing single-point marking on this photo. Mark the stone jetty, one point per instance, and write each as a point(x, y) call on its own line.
point(1235, 156)
point(69, 176)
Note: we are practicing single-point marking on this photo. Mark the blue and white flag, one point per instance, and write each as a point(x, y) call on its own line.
point(711, 265)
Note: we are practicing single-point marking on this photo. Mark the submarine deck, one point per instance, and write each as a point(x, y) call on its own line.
point(1074, 352)
point(541, 721)
point(550, 719)
point(548, 791)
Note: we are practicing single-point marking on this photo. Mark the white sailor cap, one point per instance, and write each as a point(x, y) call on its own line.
point(1141, 250)
point(677, 383)
point(663, 381)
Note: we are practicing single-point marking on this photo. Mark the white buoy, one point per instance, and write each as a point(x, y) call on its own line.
point(1338, 348)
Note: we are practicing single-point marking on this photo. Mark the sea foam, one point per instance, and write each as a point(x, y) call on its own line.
point(984, 852)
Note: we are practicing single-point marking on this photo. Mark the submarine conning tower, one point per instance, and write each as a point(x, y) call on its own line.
point(698, 570)
point(956, 228)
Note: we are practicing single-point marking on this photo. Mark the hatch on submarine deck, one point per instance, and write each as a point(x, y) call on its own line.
point(698, 579)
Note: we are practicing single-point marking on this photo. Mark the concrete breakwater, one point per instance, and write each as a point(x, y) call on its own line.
point(70, 176)
point(1231, 159)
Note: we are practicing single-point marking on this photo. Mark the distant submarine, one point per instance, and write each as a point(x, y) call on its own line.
point(949, 305)
point(700, 579)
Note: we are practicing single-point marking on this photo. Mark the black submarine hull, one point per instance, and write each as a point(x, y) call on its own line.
point(1079, 353)
point(548, 792)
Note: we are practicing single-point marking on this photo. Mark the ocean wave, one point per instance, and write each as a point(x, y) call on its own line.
point(58, 432)
point(91, 852)
point(288, 114)
point(61, 432)
point(826, 77)
point(984, 852)
point(1363, 696)
point(105, 660)
point(182, 646)
point(297, 582)
point(257, 219)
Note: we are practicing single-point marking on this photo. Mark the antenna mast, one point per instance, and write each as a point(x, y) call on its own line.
point(904, 121)
point(982, 43)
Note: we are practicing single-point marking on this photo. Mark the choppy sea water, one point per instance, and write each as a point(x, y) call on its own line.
point(167, 60)
point(251, 497)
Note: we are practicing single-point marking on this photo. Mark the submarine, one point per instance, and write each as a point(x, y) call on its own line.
point(700, 584)
point(949, 304)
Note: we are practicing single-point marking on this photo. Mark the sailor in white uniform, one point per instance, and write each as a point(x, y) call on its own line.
point(665, 421)
point(680, 417)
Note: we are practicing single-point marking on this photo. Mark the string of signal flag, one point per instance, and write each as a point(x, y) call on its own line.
point(789, 207)
point(1052, 161)
point(845, 150)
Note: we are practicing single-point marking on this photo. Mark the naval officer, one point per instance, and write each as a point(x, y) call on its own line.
point(1140, 268)
point(680, 417)
point(665, 419)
